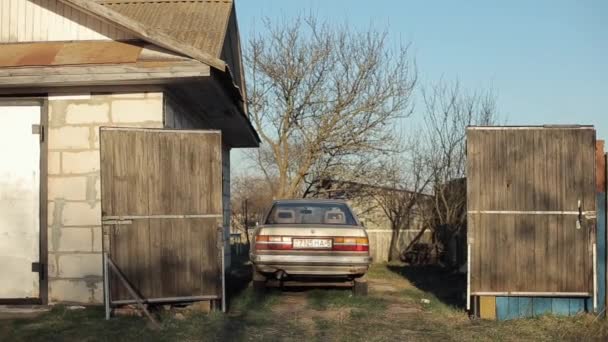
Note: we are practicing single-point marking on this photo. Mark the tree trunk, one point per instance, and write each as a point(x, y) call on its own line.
point(393, 252)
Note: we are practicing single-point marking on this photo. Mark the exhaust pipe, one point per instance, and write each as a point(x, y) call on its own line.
point(280, 275)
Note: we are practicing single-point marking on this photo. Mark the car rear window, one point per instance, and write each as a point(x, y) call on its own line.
point(311, 213)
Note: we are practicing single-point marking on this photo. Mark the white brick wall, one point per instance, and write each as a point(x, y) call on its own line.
point(137, 110)
point(79, 291)
point(74, 191)
point(72, 240)
point(68, 188)
point(87, 113)
point(81, 214)
point(79, 265)
point(54, 163)
point(80, 162)
point(69, 138)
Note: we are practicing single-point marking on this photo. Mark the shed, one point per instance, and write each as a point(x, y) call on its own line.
point(119, 114)
point(536, 221)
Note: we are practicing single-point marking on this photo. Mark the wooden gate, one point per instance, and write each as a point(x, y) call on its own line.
point(161, 209)
point(531, 210)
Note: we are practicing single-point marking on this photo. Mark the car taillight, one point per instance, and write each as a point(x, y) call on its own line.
point(351, 244)
point(267, 242)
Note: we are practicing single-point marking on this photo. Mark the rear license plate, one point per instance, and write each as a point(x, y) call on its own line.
point(311, 243)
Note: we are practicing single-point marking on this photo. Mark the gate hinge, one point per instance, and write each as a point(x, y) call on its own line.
point(39, 268)
point(38, 129)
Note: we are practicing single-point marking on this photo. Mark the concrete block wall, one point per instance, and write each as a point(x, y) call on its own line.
point(74, 202)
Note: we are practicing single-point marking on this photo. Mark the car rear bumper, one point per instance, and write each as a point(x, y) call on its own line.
point(319, 265)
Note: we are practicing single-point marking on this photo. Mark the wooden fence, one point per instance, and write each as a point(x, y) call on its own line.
point(380, 241)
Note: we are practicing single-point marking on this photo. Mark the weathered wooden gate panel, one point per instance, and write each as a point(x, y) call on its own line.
point(524, 187)
point(163, 189)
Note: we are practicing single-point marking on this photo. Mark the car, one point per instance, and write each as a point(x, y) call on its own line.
point(309, 240)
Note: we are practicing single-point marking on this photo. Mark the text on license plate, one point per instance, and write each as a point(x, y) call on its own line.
point(311, 243)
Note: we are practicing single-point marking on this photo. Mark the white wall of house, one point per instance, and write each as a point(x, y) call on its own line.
point(51, 20)
point(74, 196)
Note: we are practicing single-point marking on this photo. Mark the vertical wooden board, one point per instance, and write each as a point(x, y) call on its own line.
point(471, 169)
point(601, 251)
point(561, 306)
point(552, 266)
point(600, 167)
point(106, 171)
point(211, 264)
point(487, 307)
point(519, 278)
point(525, 307)
point(168, 257)
point(156, 275)
point(474, 230)
point(197, 173)
point(502, 308)
point(582, 168)
point(503, 252)
point(540, 249)
point(541, 305)
point(486, 262)
point(128, 253)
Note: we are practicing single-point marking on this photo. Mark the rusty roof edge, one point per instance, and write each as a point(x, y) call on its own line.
point(146, 33)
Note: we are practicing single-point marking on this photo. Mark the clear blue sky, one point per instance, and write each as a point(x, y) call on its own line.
point(546, 60)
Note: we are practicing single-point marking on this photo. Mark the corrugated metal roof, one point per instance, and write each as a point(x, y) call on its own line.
point(199, 23)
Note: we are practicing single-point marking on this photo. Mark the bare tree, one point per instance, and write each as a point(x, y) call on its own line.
point(250, 199)
point(402, 198)
point(323, 99)
point(448, 112)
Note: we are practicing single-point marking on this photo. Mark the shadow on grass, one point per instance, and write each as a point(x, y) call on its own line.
point(449, 287)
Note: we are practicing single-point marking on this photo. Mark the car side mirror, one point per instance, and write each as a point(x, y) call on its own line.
point(362, 223)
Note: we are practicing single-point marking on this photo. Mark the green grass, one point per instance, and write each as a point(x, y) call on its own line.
point(327, 299)
point(316, 315)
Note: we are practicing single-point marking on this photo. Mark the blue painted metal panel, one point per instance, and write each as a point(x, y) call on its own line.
point(513, 308)
point(525, 307)
point(502, 308)
point(577, 305)
point(521, 307)
point(542, 305)
point(561, 306)
point(601, 251)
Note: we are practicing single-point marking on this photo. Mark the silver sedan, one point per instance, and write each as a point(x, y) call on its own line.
point(306, 240)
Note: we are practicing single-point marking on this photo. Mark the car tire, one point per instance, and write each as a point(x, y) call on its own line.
point(360, 288)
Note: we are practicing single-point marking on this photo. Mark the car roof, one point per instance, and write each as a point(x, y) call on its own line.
point(308, 200)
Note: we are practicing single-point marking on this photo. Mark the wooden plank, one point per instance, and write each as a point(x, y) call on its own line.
point(601, 251)
point(600, 167)
point(487, 307)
